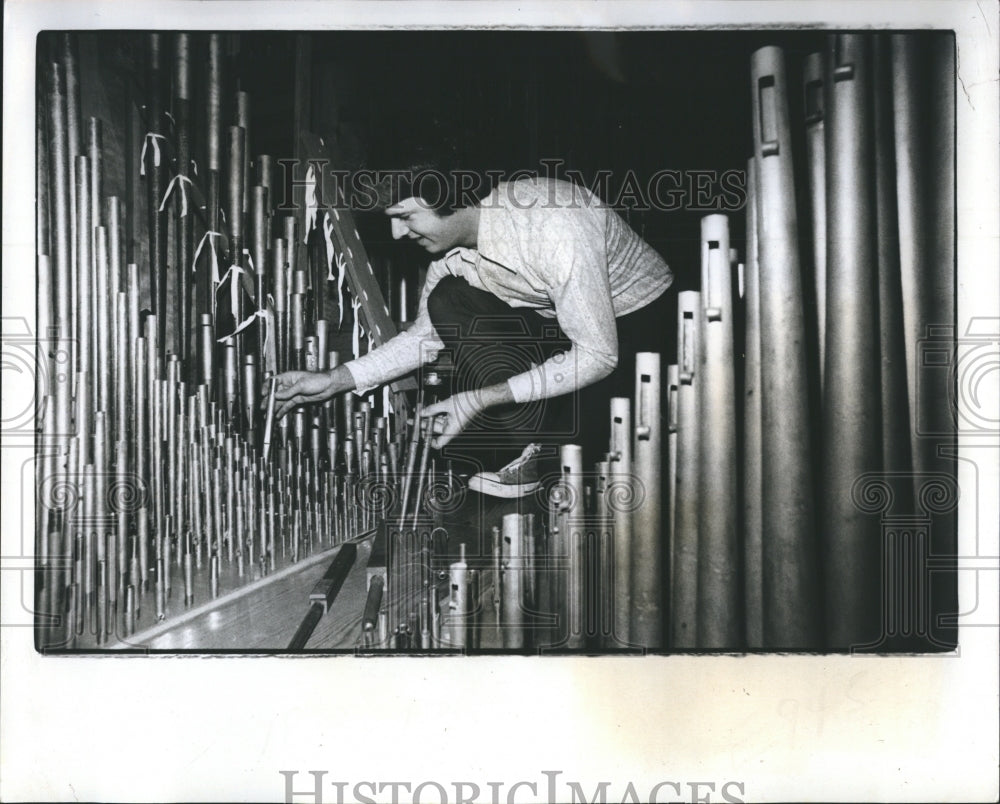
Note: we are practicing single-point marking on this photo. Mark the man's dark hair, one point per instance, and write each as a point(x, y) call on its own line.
point(437, 168)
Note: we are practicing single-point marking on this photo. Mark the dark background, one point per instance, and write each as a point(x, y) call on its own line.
point(599, 101)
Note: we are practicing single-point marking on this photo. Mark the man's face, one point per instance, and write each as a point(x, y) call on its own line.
point(411, 218)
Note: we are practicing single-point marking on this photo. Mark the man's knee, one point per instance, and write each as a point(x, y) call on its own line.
point(445, 299)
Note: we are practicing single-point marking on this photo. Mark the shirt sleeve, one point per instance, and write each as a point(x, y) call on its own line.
point(573, 257)
point(405, 352)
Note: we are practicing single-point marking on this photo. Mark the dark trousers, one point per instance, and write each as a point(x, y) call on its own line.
point(486, 341)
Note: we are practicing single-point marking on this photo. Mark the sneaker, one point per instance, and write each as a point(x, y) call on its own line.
point(517, 478)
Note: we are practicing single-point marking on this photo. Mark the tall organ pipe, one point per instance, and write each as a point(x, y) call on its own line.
point(753, 555)
point(851, 413)
point(648, 594)
point(684, 594)
point(789, 551)
point(719, 565)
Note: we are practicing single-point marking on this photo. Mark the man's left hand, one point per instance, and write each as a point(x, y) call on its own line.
point(450, 417)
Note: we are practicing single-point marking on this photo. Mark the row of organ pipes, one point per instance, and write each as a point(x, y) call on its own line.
point(730, 511)
point(160, 480)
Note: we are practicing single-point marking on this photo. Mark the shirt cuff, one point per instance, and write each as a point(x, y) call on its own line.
point(539, 382)
point(362, 383)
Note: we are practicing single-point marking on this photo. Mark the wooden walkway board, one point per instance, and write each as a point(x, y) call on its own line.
point(265, 619)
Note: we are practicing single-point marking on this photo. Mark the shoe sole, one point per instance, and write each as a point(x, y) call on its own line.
point(492, 488)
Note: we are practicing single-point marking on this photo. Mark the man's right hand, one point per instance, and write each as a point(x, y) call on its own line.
point(296, 388)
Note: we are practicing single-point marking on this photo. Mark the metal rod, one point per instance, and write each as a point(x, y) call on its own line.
point(103, 323)
point(123, 387)
point(95, 157)
point(279, 284)
point(269, 418)
point(71, 72)
point(155, 174)
point(425, 433)
point(242, 120)
point(113, 223)
point(84, 274)
point(235, 188)
point(183, 300)
point(61, 234)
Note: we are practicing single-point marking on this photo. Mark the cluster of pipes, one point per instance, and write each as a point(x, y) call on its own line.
point(725, 514)
point(592, 578)
point(157, 468)
point(788, 436)
point(541, 581)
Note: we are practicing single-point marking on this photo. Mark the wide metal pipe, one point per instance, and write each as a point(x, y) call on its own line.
point(851, 418)
point(459, 604)
point(942, 62)
point(923, 75)
point(719, 564)
point(923, 70)
point(647, 573)
point(684, 600)
point(622, 489)
point(896, 453)
point(206, 353)
point(813, 100)
point(790, 570)
point(753, 555)
point(512, 583)
point(572, 553)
